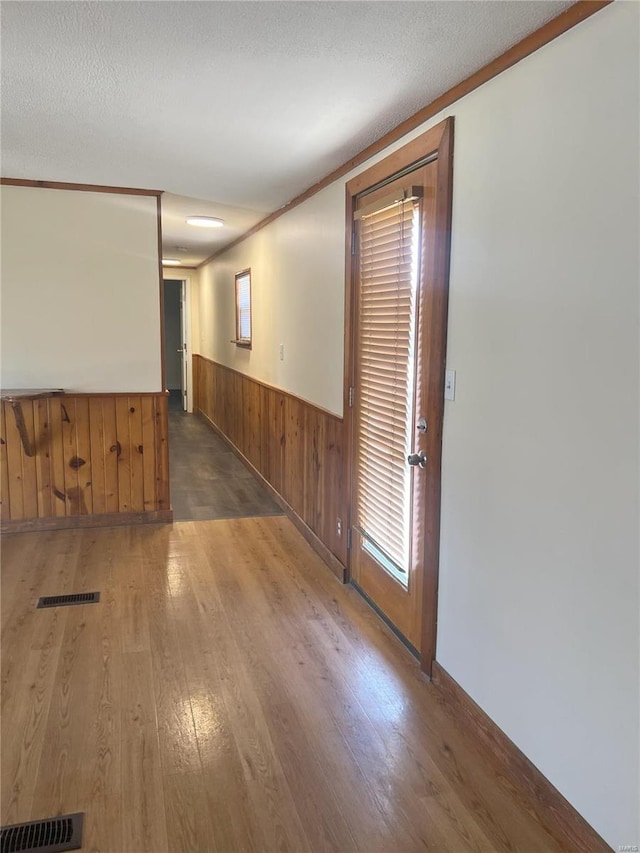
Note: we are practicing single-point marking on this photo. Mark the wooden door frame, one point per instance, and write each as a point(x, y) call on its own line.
point(437, 144)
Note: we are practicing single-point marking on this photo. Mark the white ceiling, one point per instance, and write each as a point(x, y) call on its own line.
point(241, 105)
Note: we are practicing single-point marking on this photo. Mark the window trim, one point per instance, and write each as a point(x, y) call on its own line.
point(245, 343)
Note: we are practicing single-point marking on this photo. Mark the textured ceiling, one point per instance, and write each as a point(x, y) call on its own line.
point(241, 104)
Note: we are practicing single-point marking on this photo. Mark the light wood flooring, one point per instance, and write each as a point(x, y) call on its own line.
point(228, 694)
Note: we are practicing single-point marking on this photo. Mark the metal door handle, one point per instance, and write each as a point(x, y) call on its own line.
point(419, 459)
point(179, 350)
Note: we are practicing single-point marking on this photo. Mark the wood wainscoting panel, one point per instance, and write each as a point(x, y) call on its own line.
point(295, 446)
point(96, 456)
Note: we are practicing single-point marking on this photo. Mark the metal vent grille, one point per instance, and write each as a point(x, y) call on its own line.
point(63, 600)
point(44, 836)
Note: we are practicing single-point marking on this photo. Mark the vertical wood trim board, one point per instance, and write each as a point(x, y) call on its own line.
point(95, 455)
point(295, 446)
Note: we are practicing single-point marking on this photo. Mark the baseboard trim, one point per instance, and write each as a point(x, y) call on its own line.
point(552, 810)
point(316, 543)
point(72, 522)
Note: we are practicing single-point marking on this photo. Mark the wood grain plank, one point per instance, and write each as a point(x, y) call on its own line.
point(177, 736)
point(14, 465)
point(42, 431)
point(162, 457)
point(29, 472)
point(83, 455)
point(123, 453)
point(98, 455)
point(136, 454)
point(57, 458)
point(111, 455)
point(148, 453)
point(144, 827)
point(74, 494)
point(5, 499)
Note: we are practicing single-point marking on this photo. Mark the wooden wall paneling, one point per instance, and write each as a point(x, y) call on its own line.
point(227, 392)
point(57, 458)
point(277, 440)
point(147, 406)
point(5, 506)
point(216, 399)
point(246, 416)
point(292, 485)
point(136, 454)
point(162, 449)
point(14, 464)
point(341, 496)
point(98, 455)
point(238, 402)
point(111, 454)
point(295, 446)
point(264, 436)
point(253, 423)
point(72, 492)
point(222, 402)
point(29, 473)
point(210, 390)
point(123, 454)
point(233, 413)
point(311, 470)
point(88, 460)
point(333, 492)
point(83, 461)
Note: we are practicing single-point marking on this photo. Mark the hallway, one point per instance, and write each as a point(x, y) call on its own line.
point(227, 694)
point(208, 481)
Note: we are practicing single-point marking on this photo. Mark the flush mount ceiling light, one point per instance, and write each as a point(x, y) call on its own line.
point(170, 262)
point(205, 221)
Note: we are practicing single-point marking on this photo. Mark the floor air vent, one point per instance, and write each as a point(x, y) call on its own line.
point(43, 836)
point(63, 600)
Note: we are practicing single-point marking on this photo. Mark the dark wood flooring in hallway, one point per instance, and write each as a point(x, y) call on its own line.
point(208, 481)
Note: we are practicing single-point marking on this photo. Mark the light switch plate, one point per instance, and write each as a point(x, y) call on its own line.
point(449, 385)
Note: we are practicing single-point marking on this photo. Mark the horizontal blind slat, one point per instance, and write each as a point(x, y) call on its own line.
point(385, 329)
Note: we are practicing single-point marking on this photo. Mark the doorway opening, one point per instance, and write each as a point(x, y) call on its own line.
point(176, 352)
point(399, 220)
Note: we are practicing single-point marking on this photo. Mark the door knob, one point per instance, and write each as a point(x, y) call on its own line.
point(419, 459)
point(179, 350)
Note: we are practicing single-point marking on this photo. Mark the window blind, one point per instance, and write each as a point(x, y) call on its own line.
point(388, 279)
point(243, 307)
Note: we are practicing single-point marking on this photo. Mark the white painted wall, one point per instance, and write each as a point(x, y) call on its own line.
point(538, 602)
point(297, 291)
point(80, 291)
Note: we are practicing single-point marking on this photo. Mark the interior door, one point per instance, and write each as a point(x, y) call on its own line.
point(183, 338)
point(393, 256)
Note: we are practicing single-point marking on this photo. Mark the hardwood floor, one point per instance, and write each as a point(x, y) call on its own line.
point(228, 694)
point(207, 479)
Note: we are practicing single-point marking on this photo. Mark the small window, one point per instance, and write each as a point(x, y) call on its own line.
point(243, 309)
